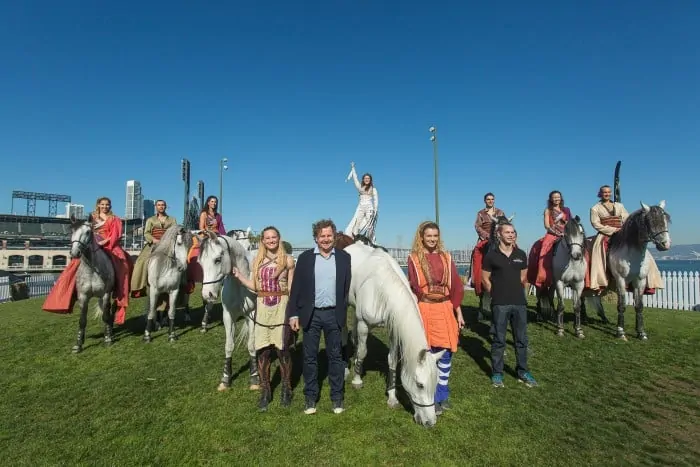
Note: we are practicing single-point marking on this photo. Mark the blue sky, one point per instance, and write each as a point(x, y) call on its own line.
point(526, 100)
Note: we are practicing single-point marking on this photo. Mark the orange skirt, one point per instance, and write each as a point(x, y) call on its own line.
point(440, 324)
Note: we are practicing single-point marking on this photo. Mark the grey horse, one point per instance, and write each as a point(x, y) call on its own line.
point(94, 278)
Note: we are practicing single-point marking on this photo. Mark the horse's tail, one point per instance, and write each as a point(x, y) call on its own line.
point(97, 311)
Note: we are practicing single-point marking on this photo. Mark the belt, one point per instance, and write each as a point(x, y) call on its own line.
point(324, 308)
point(435, 300)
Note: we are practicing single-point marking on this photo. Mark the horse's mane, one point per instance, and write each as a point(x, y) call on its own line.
point(493, 242)
point(363, 239)
point(394, 298)
point(634, 230)
point(167, 242)
point(571, 229)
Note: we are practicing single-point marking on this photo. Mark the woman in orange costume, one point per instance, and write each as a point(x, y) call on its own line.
point(434, 280)
point(539, 267)
point(108, 232)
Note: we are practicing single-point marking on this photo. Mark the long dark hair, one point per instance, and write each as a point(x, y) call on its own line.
point(549, 200)
point(205, 208)
point(370, 185)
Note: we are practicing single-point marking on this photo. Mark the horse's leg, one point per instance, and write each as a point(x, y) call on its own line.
point(172, 337)
point(230, 331)
point(105, 305)
point(639, 307)
point(205, 319)
point(578, 300)
point(393, 358)
point(362, 334)
point(621, 293)
point(83, 300)
point(254, 379)
point(150, 318)
point(560, 307)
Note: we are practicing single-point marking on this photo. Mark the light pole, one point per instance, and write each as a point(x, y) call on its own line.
point(433, 138)
point(222, 167)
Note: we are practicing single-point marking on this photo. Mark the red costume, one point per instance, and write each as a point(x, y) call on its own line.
point(483, 229)
point(539, 264)
point(63, 295)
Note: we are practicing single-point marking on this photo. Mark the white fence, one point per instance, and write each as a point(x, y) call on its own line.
point(38, 285)
point(681, 292)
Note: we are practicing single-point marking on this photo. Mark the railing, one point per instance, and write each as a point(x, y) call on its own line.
point(681, 292)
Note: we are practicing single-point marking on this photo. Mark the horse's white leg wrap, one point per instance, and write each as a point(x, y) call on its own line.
point(392, 401)
point(362, 334)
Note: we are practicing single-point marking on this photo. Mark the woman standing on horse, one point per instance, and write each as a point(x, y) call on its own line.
point(272, 274)
point(436, 283)
point(556, 215)
point(365, 219)
point(107, 229)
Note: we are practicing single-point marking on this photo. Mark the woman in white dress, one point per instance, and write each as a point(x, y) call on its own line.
point(365, 220)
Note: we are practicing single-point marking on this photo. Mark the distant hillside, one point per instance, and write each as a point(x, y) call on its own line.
point(677, 252)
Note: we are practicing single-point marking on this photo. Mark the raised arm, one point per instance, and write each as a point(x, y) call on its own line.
point(375, 196)
point(354, 178)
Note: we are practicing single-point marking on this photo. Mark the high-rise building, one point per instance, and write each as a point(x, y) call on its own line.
point(77, 210)
point(134, 200)
point(149, 208)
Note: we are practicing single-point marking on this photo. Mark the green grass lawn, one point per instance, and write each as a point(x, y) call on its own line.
point(600, 401)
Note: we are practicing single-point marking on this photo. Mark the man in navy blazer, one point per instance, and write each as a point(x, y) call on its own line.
point(318, 302)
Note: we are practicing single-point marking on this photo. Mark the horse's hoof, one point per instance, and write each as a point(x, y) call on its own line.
point(357, 385)
point(108, 343)
point(172, 338)
point(203, 330)
point(642, 336)
point(147, 339)
point(222, 387)
point(254, 387)
point(393, 403)
point(580, 335)
point(77, 349)
point(622, 337)
point(560, 332)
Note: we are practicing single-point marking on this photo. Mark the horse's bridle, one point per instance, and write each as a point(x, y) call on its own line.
point(652, 237)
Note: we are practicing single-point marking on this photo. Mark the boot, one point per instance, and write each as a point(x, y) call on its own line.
point(264, 374)
point(285, 359)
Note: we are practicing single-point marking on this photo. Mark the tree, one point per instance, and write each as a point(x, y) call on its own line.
point(287, 247)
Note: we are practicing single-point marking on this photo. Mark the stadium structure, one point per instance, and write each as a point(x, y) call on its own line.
point(31, 242)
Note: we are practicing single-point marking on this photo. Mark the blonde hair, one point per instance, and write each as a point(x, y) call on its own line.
point(281, 260)
point(419, 249)
point(96, 212)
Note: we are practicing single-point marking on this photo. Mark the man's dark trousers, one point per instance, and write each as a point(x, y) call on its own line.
point(323, 320)
point(517, 315)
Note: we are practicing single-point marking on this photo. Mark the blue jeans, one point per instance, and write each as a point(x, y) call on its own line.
point(517, 315)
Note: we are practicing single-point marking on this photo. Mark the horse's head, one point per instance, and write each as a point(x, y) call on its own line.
point(81, 237)
point(657, 220)
point(575, 237)
point(217, 257)
point(419, 382)
point(496, 222)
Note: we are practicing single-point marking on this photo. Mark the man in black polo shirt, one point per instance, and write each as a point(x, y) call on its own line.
point(503, 276)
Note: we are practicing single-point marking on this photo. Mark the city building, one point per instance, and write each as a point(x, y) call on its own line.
point(77, 210)
point(149, 208)
point(134, 200)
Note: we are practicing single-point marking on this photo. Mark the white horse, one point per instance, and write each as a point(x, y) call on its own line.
point(381, 295)
point(218, 256)
point(628, 258)
point(94, 278)
point(569, 269)
point(167, 265)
